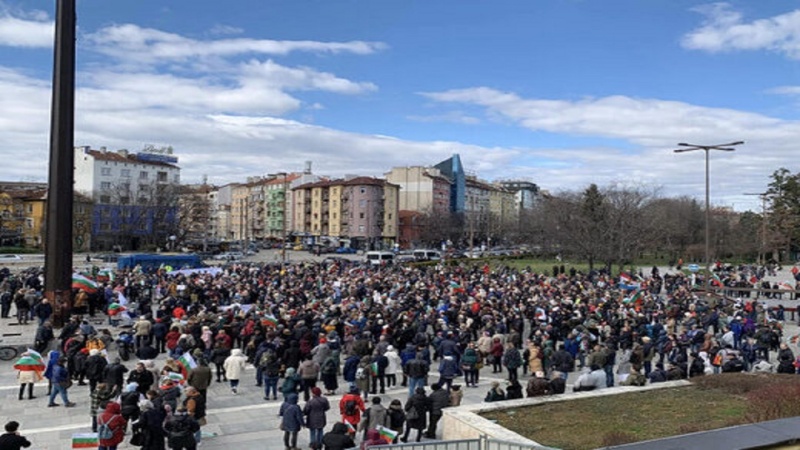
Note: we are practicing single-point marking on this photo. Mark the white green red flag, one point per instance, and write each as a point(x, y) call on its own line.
point(85, 440)
point(187, 363)
point(84, 283)
point(387, 434)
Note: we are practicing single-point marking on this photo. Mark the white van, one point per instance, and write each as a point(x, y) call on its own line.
point(427, 255)
point(380, 258)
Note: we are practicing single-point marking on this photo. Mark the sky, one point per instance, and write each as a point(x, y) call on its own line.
point(563, 93)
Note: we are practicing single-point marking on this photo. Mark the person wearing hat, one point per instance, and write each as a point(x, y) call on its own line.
point(315, 419)
point(60, 383)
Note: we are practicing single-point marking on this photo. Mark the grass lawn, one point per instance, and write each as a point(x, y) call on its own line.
point(711, 402)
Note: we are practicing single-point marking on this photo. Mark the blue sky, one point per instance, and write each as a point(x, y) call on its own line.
point(564, 93)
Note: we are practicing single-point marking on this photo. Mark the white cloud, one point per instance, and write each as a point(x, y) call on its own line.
point(225, 29)
point(148, 46)
point(785, 90)
point(37, 32)
point(451, 117)
point(725, 30)
point(303, 78)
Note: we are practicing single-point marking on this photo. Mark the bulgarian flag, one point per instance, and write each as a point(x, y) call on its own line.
point(625, 278)
point(84, 283)
point(786, 286)
point(716, 281)
point(115, 308)
point(85, 440)
point(387, 434)
point(637, 297)
point(106, 274)
point(350, 427)
point(374, 368)
point(269, 321)
point(173, 376)
point(187, 363)
point(34, 354)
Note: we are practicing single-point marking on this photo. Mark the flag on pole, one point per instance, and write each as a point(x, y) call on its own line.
point(387, 434)
point(105, 275)
point(84, 283)
point(786, 286)
point(350, 427)
point(187, 363)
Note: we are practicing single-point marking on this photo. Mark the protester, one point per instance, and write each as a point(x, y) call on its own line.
point(315, 417)
point(181, 429)
point(234, 366)
point(416, 409)
point(338, 438)
point(60, 382)
point(291, 421)
point(113, 420)
point(12, 439)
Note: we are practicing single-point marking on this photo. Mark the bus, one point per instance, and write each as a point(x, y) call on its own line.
point(149, 261)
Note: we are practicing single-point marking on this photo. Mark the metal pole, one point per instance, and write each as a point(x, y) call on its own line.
point(58, 236)
point(708, 229)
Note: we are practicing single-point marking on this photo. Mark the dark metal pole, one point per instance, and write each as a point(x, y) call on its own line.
point(58, 240)
point(708, 229)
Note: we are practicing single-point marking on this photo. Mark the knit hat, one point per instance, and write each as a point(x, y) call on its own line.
point(316, 391)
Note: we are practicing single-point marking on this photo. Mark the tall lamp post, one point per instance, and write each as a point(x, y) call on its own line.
point(285, 204)
point(707, 148)
point(762, 253)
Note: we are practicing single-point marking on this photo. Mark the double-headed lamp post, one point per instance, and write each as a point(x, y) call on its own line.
point(285, 209)
point(706, 148)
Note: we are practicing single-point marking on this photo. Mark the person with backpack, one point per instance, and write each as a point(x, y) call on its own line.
point(416, 413)
point(329, 373)
point(309, 374)
point(364, 376)
point(291, 383)
point(195, 404)
point(181, 428)
point(350, 407)
point(100, 398)
point(338, 438)
point(151, 425)
point(111, 427)
point(271, 373)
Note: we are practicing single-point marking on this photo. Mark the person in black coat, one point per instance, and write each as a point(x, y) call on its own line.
point(95, 368)
point(416, 413)
point(114, 375)
point(11, 439)
point(146, 351)
point(338, 438)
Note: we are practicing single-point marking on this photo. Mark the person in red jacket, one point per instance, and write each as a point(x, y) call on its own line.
point(351, 406)
point(112, 416)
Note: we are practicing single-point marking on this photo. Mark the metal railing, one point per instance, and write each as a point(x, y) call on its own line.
point(482, 443)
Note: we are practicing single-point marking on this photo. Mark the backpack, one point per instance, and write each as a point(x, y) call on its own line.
point(361, 373)
point(265, 359)
point(350, 408)
point(104, 431)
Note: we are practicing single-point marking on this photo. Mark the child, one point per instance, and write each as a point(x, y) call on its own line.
point(397, 418)
point(456, 394)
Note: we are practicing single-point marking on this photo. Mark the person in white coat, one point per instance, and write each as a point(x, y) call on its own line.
point(393, 366)
point(234, 366)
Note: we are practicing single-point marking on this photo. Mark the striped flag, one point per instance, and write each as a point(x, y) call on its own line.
point(786, 286)
point(350, 427)
point(387, 434)
point(374, 368)
point(187, 363)
point(84, 283)
point(106, 275)
point(173, 376)
point(85, 440)
point(269, 321)
point(35, 354)
point(716, 281)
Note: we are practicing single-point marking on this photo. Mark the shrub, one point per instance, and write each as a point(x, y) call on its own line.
point(773, 401)
point(618, 438)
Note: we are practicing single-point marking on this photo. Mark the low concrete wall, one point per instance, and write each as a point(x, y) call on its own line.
point(464, 422)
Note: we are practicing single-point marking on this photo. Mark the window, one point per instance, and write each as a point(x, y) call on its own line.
point(105, 171)
point(162, 177)
point(105, 185)
point(143, 175)
point(144, 188)
point(125, 187)
point(361, 215)
point(362, 203)
point(125, 173)
point(105, 226)
point(363, 190)
point(361, 228)
point(176, 179)
point(389, 216)
point(29, 223)
point(30, 208)
point(124, 200)
point(105, 199)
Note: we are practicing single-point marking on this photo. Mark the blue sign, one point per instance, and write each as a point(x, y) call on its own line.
point(694, 268)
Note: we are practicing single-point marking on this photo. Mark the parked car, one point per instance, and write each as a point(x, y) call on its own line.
point(229, 256)
point(346, 250)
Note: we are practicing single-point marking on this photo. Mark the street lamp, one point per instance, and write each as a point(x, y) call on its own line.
point(285, 204)
point(762, 254)
point(706, 149)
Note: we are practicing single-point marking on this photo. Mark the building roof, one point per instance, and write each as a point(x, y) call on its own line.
point(356, 181)
point(124, 157)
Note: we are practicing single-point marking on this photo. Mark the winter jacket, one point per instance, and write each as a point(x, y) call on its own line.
point(374, 416)
point(180, 431)
point(420, 403)
point(337, 438)
point(235, 364)
point(112, 416)
point(291, 414)
point(448, 367)
point(438, 400)
point(314, 410)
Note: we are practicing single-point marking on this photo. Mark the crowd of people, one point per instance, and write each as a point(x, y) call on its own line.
point(337, 327)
